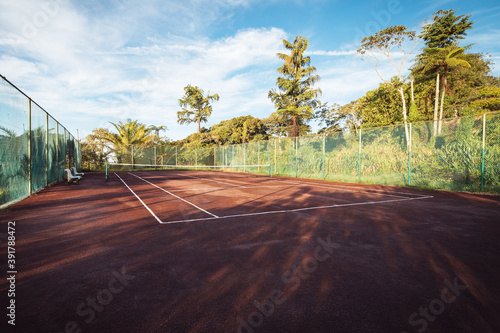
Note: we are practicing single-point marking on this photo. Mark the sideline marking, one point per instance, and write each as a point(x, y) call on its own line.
point(142, 202)
point(352, 188)
point(192, 204)
point(296, 210)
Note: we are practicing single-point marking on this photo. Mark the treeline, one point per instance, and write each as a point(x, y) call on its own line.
point(445, 80)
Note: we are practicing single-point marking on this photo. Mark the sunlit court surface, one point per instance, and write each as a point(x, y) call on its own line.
point(213, 251)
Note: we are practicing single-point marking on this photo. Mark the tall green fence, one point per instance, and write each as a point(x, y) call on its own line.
point(34, 148)
point(459, 154)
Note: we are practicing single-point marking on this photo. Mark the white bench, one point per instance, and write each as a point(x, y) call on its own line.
point(76, 173)
point(72, 178)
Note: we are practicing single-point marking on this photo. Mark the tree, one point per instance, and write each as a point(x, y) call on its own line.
point(339, 118)
point(444, 59)
point(157, 130)
point(296, 99)
point(489, 99)
point(445, 29)
point(442, 52)
point(382, 43)
point(131, 133)
point(195, 106)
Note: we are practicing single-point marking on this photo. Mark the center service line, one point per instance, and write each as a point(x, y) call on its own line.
point(192, 204)
point(142, 202)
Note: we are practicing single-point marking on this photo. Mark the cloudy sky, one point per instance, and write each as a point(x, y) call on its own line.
point(91, 62)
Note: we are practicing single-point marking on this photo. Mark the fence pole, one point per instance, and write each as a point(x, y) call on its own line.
point(258, 156)
point(409, 159)
point(296, 156)
point(324, 143)
point(29, 147)
point(47, 149)
point(482, 157)
point(359, 158)
point(132, 157)
point(175, 155)
point(57, 151)
point(275, 160)
point(154, 147)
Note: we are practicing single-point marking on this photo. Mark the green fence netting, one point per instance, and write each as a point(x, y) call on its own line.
point(34, 148)
point(459, 154)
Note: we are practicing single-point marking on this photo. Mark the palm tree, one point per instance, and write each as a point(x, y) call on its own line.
point(129, 134)
point(157, 130)
point(441, 60)
point(195, 106)
point(297, 100)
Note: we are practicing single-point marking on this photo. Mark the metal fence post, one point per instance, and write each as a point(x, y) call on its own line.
point(296, 157)
point(29, 148)
point(482, 157)
point(46, 149)
point(258, 156)
point(359, 158)
point(409, 158)
point(275, 158)
point(324, 143)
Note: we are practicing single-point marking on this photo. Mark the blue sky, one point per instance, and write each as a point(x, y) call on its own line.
point(91, 62)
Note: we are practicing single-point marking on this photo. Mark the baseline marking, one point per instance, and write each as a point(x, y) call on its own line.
point(192, 204)
point(142, 202)
point(296, 210)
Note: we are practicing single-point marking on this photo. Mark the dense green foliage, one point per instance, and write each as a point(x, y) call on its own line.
point(296, 100)
point(237, 130)
point(429, 113)
point(195, 106)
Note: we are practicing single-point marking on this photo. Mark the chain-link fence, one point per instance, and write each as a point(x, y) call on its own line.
point(34, 148)
point(459, 154)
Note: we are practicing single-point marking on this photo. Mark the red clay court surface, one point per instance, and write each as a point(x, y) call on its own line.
point(198, 252)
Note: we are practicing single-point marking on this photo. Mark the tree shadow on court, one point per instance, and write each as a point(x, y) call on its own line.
point(339, 269)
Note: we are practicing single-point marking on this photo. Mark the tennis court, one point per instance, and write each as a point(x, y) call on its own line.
point(190, 196)
point(204, 251)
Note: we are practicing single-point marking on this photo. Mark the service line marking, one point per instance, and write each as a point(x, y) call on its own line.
point(215, 217)
point(296, 210)
point(158, 187)
point(142, 202)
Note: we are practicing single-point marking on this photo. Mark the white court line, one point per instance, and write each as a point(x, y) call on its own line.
point(343, 188)
point(210, 180)
point(296, 210)
point(192, 204)
point(228, 188)
point(156, 217)
point(351, 188)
